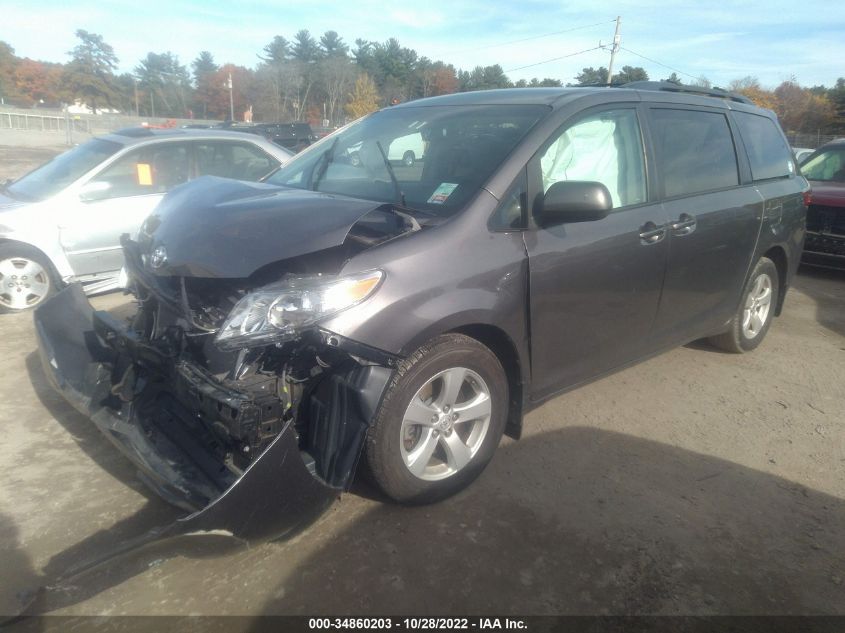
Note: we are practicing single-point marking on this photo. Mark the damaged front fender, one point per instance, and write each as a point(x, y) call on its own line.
point(88, 357)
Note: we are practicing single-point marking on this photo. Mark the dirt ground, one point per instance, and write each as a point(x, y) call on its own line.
point(697, 482)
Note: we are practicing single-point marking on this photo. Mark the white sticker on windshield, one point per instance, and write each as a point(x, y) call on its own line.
point(442, 193)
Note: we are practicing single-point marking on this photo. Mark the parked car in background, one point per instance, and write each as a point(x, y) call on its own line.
point(409, 317)
point(408, 149)
point(292, 136)
point(62, 222)
point(801, 153)
point(825, 242)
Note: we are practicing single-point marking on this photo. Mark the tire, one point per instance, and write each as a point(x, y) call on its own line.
point(422, 390)
point(26, 278)
point(749, 325)
point(408, 158)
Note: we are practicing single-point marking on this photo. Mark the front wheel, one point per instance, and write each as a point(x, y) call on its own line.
point(26, 278)
point(756, 311)
point(440, 421)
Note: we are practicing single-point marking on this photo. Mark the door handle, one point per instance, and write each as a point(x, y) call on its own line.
point(684, 225)
point(650, 233)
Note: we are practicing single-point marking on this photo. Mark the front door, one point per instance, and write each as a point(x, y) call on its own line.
point(594, 286)
point(116, 201)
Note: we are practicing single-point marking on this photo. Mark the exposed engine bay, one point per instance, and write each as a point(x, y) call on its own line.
point(224, 390)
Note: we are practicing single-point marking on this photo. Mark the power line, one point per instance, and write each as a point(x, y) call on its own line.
point(554, 59)
point(654, 61)
point(527, 39)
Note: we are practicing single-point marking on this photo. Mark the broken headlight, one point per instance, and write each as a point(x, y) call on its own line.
point(275, 314)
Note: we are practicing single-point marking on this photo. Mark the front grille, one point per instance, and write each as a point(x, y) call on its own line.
point(826, 219)
point(831, 245)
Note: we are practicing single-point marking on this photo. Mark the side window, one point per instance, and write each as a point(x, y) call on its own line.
point(226, 159)
point(768, 153)
point(695, 151)
point(605, 147)
point(147, 170)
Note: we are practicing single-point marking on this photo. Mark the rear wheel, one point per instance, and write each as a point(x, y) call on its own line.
point(26, 278)
point(756, 311)
point(440, 421)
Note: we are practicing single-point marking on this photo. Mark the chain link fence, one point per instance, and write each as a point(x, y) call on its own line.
point(811, 141)
point(60, 122)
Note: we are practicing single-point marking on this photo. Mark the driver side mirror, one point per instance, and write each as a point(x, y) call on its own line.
point(95, 190)
point(574, 201)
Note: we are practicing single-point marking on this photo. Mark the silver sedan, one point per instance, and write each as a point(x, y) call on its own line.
point(62, 222)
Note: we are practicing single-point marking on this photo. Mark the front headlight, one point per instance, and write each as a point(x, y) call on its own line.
point(272, 315)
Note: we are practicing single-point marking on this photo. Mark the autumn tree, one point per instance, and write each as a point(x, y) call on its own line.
point(364, 97)
point(799, 110)
point(89, 76)
point(37, 82)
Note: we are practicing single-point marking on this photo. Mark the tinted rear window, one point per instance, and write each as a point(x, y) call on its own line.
point(695, 150)
point(768, 153)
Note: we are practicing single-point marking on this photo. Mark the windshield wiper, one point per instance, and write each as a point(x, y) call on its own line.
point(325, 160)
point(399, 193)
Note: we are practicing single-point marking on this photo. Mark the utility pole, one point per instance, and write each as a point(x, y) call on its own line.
point(231, 100)
point(613, 48)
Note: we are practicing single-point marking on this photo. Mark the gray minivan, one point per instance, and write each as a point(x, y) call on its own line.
point(410, 314)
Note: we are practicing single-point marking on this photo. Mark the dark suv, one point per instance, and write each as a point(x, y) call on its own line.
point(410, 315)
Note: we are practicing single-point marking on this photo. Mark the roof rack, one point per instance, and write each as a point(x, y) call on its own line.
point(668, 86)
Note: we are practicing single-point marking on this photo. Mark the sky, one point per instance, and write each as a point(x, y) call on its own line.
point(771, 40)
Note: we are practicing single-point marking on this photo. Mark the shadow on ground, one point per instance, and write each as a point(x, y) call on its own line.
point(590, 522)
point(827, 289)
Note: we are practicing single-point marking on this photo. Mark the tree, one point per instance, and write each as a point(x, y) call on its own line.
point(673, 79)
point(277, 51)
point(166, 83)
point(483, 78)
point(204, 69)
point(90, 74)
point(305, 48)
point(591, 76)
point(799, 110)
point(750, 87)
point(629, 74)
point(364, 97)
point(336, 77)
point(333, 45)
point(37, 82)
point(8, 64)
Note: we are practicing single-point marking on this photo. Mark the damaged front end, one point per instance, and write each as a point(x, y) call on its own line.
point(252, 427)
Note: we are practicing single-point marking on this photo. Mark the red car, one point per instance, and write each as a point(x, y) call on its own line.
point(825, 242)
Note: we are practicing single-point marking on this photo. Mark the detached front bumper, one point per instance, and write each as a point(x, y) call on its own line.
point(84, 354)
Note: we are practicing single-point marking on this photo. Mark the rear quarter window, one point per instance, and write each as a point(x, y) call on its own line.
point(768, 153)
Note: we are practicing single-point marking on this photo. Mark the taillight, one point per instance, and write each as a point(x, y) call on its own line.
point(808, 197)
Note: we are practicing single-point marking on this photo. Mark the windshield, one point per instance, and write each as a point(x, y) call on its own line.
point(826, 166)
point(430, 158)
point(54, 176)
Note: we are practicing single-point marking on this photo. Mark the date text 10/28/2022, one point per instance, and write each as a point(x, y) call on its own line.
point(416, 624)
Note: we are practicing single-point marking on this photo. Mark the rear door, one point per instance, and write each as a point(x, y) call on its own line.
point(594, 286)
point(714, 220)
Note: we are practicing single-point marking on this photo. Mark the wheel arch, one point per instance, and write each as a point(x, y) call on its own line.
point(778, 256)
point(498, 342)
point(7, 242)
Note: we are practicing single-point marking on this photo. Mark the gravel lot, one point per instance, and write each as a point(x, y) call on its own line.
point(697, 482)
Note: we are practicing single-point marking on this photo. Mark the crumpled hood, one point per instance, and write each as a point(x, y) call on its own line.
point(216, 227)
point(828, 193)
